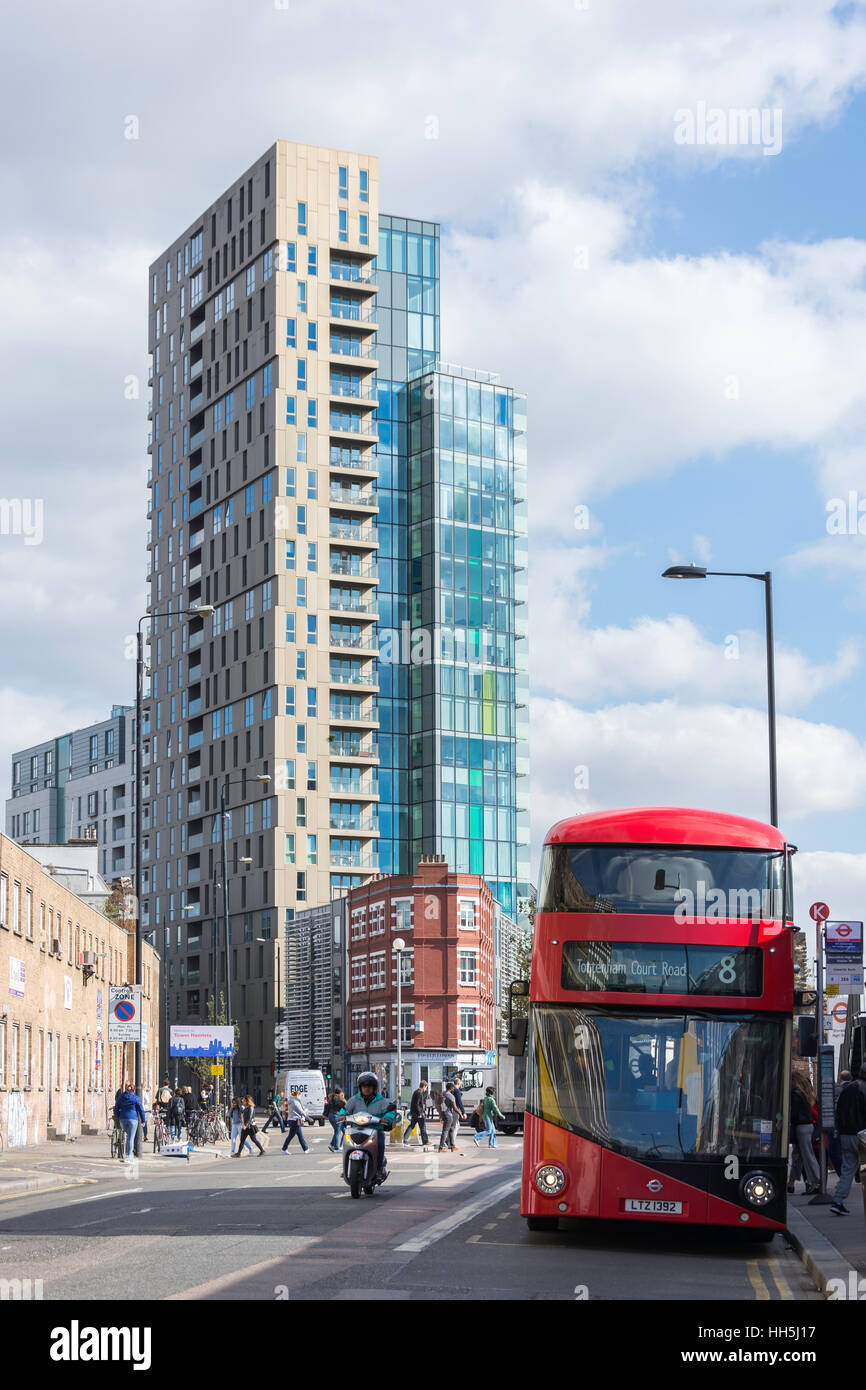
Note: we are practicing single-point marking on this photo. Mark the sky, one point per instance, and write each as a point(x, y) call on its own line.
point(681, 295)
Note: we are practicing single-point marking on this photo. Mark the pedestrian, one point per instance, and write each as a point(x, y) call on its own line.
point(129, 1114)
point(458, 1101)
point(207, 1097)
point(236, 1116)
point(190, 1102)
point(336, 1103)
point(296, 1114)
point(163, 1096)
point(803, 1114)
point(489, 1113)
point(834, 1144)
point(176, 1114)
point(449, 1119)
point(850, 1120)
point(249, 1128)
point(275, 1113)
point(418, 1114)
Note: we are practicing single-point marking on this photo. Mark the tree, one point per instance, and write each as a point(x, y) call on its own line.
point(214, 1013)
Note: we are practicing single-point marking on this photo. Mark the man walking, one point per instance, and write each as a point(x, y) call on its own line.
point(417, 1114)
point(489, 1113)
point(449, 1119)
point(275, 1113)
point(296, 1114)
point(458, 1102)
point(850, 1119)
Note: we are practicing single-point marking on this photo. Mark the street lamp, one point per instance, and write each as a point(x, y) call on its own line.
point(201, 610)
point(398, 946)
point(278, 1006)
point(699, 572)
point(260, 777)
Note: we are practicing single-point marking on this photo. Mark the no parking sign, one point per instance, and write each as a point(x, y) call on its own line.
point(124, 1013)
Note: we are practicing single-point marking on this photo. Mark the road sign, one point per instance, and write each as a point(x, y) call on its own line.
point(819, 912)
point(844, 942)
point(831, 991)
point(217, 1069)
point(848, 978)
point(124, 1013)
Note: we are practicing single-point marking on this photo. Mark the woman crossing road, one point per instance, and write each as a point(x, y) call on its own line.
point(249, 1128)
point(489, 1113)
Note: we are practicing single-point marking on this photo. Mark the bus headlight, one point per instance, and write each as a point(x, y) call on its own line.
point(550, 1180)
point(758, 1189)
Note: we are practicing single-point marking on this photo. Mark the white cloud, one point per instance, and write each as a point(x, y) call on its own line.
point(655, 656)
point(666, 754)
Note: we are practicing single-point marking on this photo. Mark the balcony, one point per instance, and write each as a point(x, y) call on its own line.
point(193, 709)
point(194, 775)
point(197, 333)
point(192, 977)
point(196, 369)
point(197, 440)
point(195, 538)
point(195, 740)
point(193, 875)
point(194, 574)
point(353, 311)
point(341, 860)
point(353, 272)
point(368, 678)
point(196, 402)
point(354, 791)
point(354, 389)
point(360, 350)
point(342, 714)
point(195, 474)
point(194, 841)
point(353, 605)
point(351, 497)
point(193, 807)
point(195, 507)
point(344, 422)
point(369, 824)
point(353, 459)
point(360, 535)
point(354, 750)
point(353, 568)
point(365, 642)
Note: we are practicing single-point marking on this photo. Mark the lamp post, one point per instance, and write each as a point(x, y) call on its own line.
point(398, 946)
point(699, 572)
point(267, 941)
point(224, 785)
point(201, 610)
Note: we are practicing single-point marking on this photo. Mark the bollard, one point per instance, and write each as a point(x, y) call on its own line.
point(396, 1135)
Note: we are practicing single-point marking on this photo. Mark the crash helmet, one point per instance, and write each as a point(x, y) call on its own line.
point(368, 1078)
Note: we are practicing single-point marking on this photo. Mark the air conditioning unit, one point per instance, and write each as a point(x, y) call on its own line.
point(57, 946)
point(88, 960)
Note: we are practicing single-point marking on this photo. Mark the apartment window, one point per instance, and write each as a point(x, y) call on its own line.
point(312, 261)
point(290, 774)
point(4, 899)
point(290, 482)
point(365, 189)
point(301, 452)
point(377, 970)
point(311, 703)
point(311, 849)
point(291, 419)
point(301, 893)
point(302, 738)
point(466, 910)
point(343, 176)
point(290, 553)
point(301, 670)
point(267, 265)
point(359, 1028)
point(28, 914)
point(302, 521)
point(377, 1027)
point(13, 1060)
point(364, 235)
point(468, 1029)
point(302, 296)
point(311, 629)
point(290, 849)
point(377, 918)
point(196, 286)
point(311, 566)
point(251, 278)
point(312, 337)
point(3, 1052)
point(357, 924)
point(401, 914)
point(312, 415)
point(344, 224)
point(291, 333)
point(302, 374)
point(407, 968)
point(302, 219)
point(302, 593)
point(267, 379)
point(359, 974)
point(249, 716)
point(311, 776)
point(312, 484)
point(407, 1023)
point(16, 906)
point(301, 811)
point(291, 257)
point(467, 967)
point(290, 627)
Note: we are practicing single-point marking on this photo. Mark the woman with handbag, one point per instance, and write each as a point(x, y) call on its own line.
point(250, 1128)
point(802, 1125)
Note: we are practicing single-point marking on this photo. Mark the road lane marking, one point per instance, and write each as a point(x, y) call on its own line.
point(449, 1223)
point(779, 1278)
point(762, 1293)
point(98, 1196)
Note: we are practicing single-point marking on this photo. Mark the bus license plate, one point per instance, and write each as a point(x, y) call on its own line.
point(654, 1204)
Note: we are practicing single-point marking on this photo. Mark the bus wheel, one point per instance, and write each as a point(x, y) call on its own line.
point(542, 1223)
point(509, 1130)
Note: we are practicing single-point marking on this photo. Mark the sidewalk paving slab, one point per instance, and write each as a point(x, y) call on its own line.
point(831, 1247)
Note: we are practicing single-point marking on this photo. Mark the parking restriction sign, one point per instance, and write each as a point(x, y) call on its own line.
point(124, 1013)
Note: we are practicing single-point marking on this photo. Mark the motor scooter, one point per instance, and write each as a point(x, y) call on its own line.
point(361, 1155)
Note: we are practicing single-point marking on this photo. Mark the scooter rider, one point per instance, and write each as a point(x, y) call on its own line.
point(368, 1101)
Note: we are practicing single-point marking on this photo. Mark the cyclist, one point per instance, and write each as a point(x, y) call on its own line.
point(368, 1101)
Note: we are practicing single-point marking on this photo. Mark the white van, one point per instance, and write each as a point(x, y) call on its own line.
point(311, 1085)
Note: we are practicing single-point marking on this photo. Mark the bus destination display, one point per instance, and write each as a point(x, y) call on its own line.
point(661, 968)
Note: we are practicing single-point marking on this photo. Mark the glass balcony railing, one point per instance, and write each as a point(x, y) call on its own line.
point(365, 610)
point(355, 310)
point(355, 389)
point(354, 569)
point(343, 714)
point(351, 496)
point(368, 823)
point(357, 791)
point(340, 859)
point(197, 440)
point(344, 422)
point(342, 345)
point(354, 678)
point(353, 271)
point(344, 530)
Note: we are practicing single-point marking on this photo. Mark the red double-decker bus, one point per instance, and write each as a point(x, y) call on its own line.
point(659, 1022)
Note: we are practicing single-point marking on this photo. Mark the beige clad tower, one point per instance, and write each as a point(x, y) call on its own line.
point(263, 508)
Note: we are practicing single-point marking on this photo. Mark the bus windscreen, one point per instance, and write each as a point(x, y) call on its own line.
point(686, 883)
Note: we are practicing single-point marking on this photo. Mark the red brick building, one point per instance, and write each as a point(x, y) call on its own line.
point(447, 988)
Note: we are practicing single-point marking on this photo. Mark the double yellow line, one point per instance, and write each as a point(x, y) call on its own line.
point(756, 1279)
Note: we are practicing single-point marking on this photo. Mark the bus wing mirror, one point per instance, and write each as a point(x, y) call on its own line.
point(517, 1037)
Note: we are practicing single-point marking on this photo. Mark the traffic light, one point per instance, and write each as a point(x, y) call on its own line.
point(807, 1035)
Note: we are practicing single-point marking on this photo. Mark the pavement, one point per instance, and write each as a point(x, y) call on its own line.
point(833, 1248)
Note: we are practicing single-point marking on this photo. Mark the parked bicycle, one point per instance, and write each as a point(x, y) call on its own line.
point(118, 1142)
point(160, 1131)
